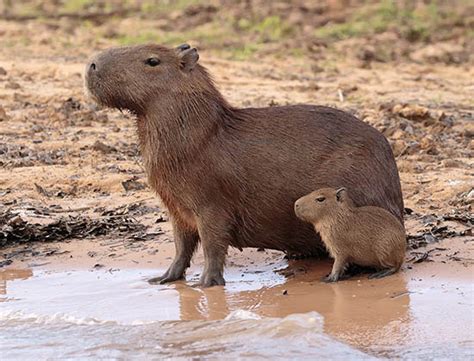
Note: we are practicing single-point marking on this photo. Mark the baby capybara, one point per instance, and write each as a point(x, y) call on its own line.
point(366, 236)
point(230, 176)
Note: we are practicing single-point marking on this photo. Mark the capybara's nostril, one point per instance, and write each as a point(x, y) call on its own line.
point(92, 66)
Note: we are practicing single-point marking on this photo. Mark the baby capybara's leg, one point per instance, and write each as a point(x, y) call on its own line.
point(337, 271)
point(215, 242)
point(186, 242)
point(384, 273)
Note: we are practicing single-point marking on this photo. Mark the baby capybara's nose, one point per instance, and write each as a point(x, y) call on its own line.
point(297, 206)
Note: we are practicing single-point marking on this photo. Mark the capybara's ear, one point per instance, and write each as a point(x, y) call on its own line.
point(183, 47)
point(188, 58)
point(340, 194)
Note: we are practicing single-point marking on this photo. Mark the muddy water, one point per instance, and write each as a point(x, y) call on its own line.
point(268, 309)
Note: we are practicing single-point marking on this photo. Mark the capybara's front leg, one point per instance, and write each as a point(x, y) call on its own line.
point(215, 241)
point(337, 271)
point(186, 242)
point(384, 273)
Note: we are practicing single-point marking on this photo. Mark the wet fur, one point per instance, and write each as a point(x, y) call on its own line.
point(229, 176)
point(366, 236)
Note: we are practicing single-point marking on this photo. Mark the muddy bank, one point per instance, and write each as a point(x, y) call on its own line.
point(400, 316)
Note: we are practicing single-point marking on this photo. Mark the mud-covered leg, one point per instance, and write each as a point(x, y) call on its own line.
point(337, 271)
point(383, 273)
point(186, 242)
point(215, 242)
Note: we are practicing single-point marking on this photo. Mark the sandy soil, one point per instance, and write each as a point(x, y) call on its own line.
point(72, 172)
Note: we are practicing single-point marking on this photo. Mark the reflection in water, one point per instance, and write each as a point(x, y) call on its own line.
point(202, 304)
point(401, 315)
point(358, 311)
point(10, 275)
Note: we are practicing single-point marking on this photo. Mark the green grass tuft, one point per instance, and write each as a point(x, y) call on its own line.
point(72, 6)
point(413, 23)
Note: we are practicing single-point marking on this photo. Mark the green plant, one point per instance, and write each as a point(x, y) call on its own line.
point(71, 6)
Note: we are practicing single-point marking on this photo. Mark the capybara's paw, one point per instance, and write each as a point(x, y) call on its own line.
point(331, 278)
point(210, 279)
point(155, 280)
point(166, 278)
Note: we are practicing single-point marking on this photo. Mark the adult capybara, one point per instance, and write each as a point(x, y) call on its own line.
point(229, 176)
point(366, 236)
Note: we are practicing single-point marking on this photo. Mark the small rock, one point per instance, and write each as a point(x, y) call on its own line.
point(398, 147)
point(452, 163)
point(3, 71)
point(402, 147)
point(104, 148)
point(15, 221)
point(285, 292)
point(12, 85)
point(468, 133)
point(6, 262)
point(428, 145)
point(411, 111)
point(163, 217)
point(3, 114)
point(41, 190)
point(133, 185)
point(409, 129)
point(470, 196)
point(398, 134)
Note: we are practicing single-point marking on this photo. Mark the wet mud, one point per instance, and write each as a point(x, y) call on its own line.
point(404, 315)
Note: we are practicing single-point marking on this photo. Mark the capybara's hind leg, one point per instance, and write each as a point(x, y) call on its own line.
point(337, 271)
point(185, 243)
point(383, 273)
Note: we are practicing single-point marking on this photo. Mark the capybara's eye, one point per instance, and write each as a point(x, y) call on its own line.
point(152, 61)
point(320, 199)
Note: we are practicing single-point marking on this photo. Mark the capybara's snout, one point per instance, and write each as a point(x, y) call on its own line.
point(91, 72)
point(99, 66)
point(301, 209)
point(91, 67)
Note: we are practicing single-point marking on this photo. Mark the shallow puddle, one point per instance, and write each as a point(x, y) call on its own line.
point(268, 309)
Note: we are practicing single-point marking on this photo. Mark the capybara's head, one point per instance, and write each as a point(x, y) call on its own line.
point(133, 76)
point(320, 204)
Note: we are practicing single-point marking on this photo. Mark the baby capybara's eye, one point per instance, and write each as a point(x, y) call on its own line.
point(320, 199)
point(152, 61)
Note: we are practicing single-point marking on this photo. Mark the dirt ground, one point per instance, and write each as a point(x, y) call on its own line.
point(70, 170)
point(73, 191)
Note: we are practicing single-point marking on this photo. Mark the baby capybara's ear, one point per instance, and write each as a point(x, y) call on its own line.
point(183, 47)
point(341, 194)
point(188, 57)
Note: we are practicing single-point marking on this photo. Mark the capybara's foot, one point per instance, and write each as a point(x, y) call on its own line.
point(332, 277)
point(338, 269)
point(164, 279)
point(171, 275)
point(383, 273)
point(211, 279)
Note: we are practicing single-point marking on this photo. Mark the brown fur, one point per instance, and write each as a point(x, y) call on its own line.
point(366, 236)
point(228, 176)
